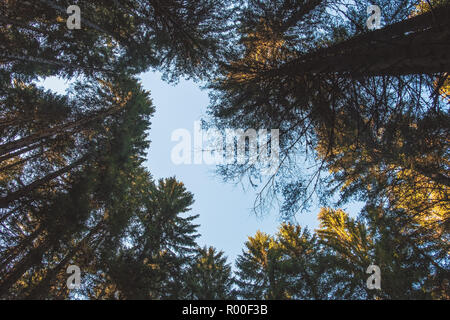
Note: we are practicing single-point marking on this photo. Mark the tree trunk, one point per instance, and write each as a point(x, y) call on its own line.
point(14, 252)
point(419, 45)
point(18, 153)
point(42, 289)
point(5, 201)
point(20, 143)
point(33, 258)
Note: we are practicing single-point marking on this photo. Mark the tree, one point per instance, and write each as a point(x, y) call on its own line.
point(413, 265)
point(209, 277)
point(68, 161)
point(285, 267)
point(177, 37)
point(46, 224)
point(258, 276)
point(313, 88)
point(332, 263)
point(151, 257)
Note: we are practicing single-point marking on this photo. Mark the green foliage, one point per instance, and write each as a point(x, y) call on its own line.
point(332, 263)
point(177, 37)
point(72, 189)
point(341, 100)
point(284, 267)
point(372, 117)
point(151, 256)
point(209, 277)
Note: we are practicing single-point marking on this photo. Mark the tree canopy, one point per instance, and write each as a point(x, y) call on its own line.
point(362, 115)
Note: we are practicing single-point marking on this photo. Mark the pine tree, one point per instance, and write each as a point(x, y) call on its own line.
point(411, 267)
point(150, 259)
point(313, 89)
point(288, 266)
point(258, 275)
point(209, 277)
point(332, 263)
point(63, 209)
point(68, 161)
point(177, 37)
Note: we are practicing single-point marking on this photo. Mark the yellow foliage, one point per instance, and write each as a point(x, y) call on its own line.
point(263, 49)
point(337, 227)
point(423, 7)
point(10, 174)
point(426, 201)
point(444, 89)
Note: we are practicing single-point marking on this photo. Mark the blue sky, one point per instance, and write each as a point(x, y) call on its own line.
point(226, 219)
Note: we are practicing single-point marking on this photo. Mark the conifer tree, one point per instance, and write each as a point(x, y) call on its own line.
point(332, 263)
point(209, 277)
point(177, 37)
point(288, 266)
point(411, 267)
point(58, 211)
point(68, 162)
point(299, 80)
point(151, 257)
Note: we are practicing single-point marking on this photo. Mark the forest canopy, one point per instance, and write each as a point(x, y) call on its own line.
point(363, 115)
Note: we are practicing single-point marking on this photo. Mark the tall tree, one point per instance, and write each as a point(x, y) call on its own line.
point(177, 37)
point(152, 256)
point(60, 209)
point(412, 265)
point(68, 162)
point(332, 263)
point(288, 266)
point(298, 72)
point(209, 277)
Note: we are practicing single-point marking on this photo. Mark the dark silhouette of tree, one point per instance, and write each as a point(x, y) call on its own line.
point(314, 77)
point(368, 110)
point(151, 256)
point(69, 162)
point(209, 277)
point(177, 37)
point(46, 223)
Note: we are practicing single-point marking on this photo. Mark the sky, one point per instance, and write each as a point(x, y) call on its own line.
point(226, 219)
